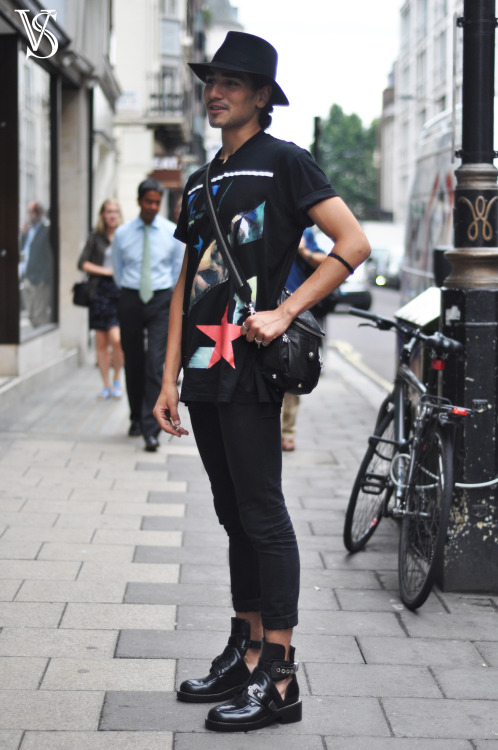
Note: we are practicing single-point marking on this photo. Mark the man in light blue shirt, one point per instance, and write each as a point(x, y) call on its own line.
point(147, 261)
point(37, 267)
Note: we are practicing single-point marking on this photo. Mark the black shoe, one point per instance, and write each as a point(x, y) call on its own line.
point(135, 429)
point(151, 443)
point(229, 672)
point(260, 703)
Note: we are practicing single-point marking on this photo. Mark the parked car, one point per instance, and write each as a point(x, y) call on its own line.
point(388, 249)
point(355, 291)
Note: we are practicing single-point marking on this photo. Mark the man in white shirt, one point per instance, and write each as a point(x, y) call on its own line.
point(146, 261)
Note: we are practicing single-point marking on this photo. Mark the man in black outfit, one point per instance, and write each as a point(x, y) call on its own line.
point(266, 192)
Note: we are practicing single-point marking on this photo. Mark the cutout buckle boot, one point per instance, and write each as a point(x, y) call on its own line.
point(229, 671)
point(260, 703)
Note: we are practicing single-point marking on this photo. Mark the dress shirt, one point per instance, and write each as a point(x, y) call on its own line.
point(26, 245)
point(166, 253)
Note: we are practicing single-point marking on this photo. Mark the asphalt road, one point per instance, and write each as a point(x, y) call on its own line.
point(371, 350)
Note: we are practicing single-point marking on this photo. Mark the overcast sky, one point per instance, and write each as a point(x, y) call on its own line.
point(330, 52)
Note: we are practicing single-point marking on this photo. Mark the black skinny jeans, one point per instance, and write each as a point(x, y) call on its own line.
point(240, 447)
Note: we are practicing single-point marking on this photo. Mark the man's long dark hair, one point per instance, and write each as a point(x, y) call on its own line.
point(264, 116)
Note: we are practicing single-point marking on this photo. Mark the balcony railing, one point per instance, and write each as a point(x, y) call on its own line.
point(165, 96)
point(161, 103)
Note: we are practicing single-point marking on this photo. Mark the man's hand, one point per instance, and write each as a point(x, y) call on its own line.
point(265, 326)
point(166, 411)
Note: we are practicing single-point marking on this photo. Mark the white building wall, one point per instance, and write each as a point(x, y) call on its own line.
point(146, 38)
point(73, 213)
point(386, 197)
point(104, 153)
point(136, 54)
point(136, 150)
point(423, 83)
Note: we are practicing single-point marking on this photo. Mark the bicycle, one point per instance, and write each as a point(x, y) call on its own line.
point(407, 471)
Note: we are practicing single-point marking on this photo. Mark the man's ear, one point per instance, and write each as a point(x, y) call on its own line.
point(264, 94)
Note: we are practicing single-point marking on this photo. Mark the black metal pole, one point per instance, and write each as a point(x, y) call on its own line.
point(478, 25)
point(469, 313)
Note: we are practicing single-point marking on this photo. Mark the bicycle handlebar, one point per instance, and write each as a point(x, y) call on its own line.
point(440, 342)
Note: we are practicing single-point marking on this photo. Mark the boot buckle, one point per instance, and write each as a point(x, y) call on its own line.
point(282, 669)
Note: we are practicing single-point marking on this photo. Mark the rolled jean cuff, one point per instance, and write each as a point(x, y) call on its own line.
point(246, 605)
point(280, 623)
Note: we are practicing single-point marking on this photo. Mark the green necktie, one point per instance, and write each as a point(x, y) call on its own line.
point(145, 290)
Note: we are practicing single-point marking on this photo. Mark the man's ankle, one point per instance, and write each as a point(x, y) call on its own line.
point(251, 658)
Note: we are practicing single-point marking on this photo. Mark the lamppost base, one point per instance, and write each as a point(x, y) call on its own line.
point(470, 315)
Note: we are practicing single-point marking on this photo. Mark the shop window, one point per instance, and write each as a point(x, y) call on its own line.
point(36, 251)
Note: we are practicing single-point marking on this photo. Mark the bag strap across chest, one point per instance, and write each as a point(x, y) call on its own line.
point(240, 282)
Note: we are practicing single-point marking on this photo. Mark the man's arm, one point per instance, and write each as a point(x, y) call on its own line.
point(117, 265)
point(335, 220)
point(177, 260)
point(166, 408)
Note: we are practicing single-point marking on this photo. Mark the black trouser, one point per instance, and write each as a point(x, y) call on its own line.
point(144, 358)
point(240, 447)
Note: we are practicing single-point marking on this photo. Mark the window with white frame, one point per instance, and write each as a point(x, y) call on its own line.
point(421, 18)
point(440, 60)
point(421, 74)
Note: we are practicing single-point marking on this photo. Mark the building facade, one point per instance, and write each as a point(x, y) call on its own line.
point(159, 118)
point(427, 81)
point(57, 155)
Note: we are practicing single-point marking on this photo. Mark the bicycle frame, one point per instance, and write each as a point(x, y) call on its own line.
point(407, 470)
point(406, 383)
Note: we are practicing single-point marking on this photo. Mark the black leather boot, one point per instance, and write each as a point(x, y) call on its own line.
point(260, 702)
point(229, 672)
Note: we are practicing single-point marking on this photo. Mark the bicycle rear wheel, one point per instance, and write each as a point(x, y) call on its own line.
point(372, 486)
point(425, 523)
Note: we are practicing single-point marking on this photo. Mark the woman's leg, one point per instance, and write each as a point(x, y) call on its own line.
point(117, 353)
point(103, 358)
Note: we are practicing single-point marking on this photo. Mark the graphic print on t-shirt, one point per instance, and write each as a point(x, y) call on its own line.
point(250, 224)
point(223, 334)
point(210, 272)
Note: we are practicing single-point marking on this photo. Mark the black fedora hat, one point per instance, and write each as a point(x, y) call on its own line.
point(245, 53)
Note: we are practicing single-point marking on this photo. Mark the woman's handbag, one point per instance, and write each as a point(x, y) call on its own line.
point(292, 362)
point(81, 294)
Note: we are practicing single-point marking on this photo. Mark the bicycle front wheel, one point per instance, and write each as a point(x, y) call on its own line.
point(425, 522)
point(372, 486)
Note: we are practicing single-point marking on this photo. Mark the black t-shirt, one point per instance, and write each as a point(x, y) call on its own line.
point(262, 194)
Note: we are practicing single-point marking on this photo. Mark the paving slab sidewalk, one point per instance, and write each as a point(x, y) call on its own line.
point(114, 587)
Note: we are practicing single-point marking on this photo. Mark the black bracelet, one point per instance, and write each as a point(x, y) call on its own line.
point(344, 262)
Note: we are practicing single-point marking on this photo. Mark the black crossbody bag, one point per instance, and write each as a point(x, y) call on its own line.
point(292, 362)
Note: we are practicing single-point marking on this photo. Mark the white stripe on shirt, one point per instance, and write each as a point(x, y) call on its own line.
point(241, 173)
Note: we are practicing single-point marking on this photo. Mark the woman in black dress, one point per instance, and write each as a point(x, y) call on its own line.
point(96, 261)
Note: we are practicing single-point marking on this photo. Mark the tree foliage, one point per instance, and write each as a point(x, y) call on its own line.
point(346, 153)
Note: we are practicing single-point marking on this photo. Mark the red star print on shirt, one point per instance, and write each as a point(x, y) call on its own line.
point(222, 335)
